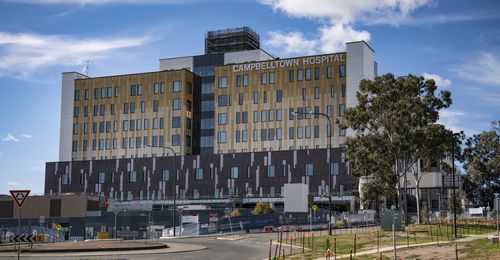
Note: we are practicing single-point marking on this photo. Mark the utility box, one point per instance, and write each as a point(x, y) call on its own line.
point(296, 197)
point(387, 219)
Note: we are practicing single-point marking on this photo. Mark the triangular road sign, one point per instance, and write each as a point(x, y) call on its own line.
point(19, 196)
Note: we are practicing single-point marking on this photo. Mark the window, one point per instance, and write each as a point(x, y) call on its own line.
point(255, 135)
point(329, 72)
point(85, 128)
point(223, 82)
point(222, 100)
point(75, 146)
point(132, 90)
point(234, 172)
point(265, 96)
point(304, 93)
point(94, 127)
point(109, 91)
point(291, 75)
point(176, 122)
point(125, 143)
point(117, 91)
point(342, 131)
point(256, 97)
point(146, 124)
point(96, 110)
point(309, 169)
point(76, 111)
point(271, 115)
point(85, 111)
point(162, 87)
point(316, 73)
point(255, 116)
point(125, 108)
point(189, 105)
point(299, 132)
point(300, 113)
point(155, 105)
point(162, 123)
point(263, 115)
point(101, 127)
point(238, 136)
point(222, 118)
point(94, 145)
point(125, 126)
point(332, 91)
point(316, 92)
point(86, 94)
point(263, 78)
point(279, 115)
point(238, 118)
point(154, 141)
point(165, 175)
point(77, 95)
point(308, 74)
point(240, 98)
point(245, 80)
point(334, 168)
point(199, 174)
point(271, 77)
point(65, 179)
point(102, 177)
point(139, 90)
point(341, 109)
point(308, 132)
point(138, 124)
point(132, 107)
point(103, 93)
point(329, 110)
point(291, 133)
point(112, 109)
point(300, 75)
point(316, 131)
point(291, 114)
point(263, 134)
point(115, 143)
point(115, 126)
point(271, 171)
point(279, 95)
point(138, 142)
point(271, 134)
point(96, 93)
point(244, 117)
point(221, 137)
point(244, 136)
point(342, 71)
point(176, 104)
point(343, 90)
point(102, 110)
point(108, 126)
point(279, 134)
point(156, 88)
point(176, 140)
point(133, 176)
point(143, 106)
point(176, 86)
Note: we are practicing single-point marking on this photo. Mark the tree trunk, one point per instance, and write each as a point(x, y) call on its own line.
point(417, 195)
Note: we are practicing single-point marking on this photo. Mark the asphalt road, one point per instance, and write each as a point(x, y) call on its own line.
point(255, 246)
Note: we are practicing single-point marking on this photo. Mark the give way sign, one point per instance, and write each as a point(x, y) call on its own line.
point(19, 196)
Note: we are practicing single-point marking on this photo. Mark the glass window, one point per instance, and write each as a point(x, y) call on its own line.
point(103, 93)
point(76, 111)
point(146, 124)
point(291, 75)
point(244, 136)
point(154, 141)
point(125, 108)
point(77, 95)
point(245, 79)
point(238, 81)
point(316, 131)
point(343, 90)
point(316, 92)
point(234, 172)
point(96, 110)
point(271, 77)
point(132, 90)
point(329, 72)
point(308, 74)
point(102, 110)
point(300, 75)
point(112, 109)
point(221, 137)
point(124, 143)
point(308, 132)
point(156, 88)
point(341, 109)
point(176, 86)
point(117, 91)
point(155, 123)
point(316, 73)
point(279, 115)
point(291, 133)
point(125, 126)
point(279, 95)
point(165, 176)
point(263, 78)
point(299, 132)
point(176, 104)
point(85, 111)
point(309, 169)
point(334, 168)
point(65, 179)
point(255, 116)
point(132, 107)
point(263, 135)
point(240, 98)
point(279, 134)
point(86, 94)
point(304, 93)
point(222, 100)
point(238, 137)
point(138, 124)
point(176, 140)
point(223, 82)
point(190, 87)
point(291, 114)
point(342, 71)
point(155, 105)
point(162, 87)
point(255, 135)
point(265, 96)
point(199, 174)
point(329, 110)
point(133, 176)
point(271, 134)
point(263, 115)
point(271, 171)
point(139, 90)
point(271, 115)
point(108, 126)
point(256, 97)
point(96, 93)
point(342, 131)
point(176, 122)
point(238, 117)
point(222, 118)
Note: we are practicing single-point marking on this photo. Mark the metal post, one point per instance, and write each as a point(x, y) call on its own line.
point(18, 232)
point(497, 206)
point(116, 213)
point(454, 187)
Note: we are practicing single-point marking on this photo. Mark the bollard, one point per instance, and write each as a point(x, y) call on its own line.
point(430, 228)
point(275, 251)
point(350, 255)
point(378, 240)
point(302, 242)
point(381, 256)
point(354, 244)
point(407, 238)
point(456, 252)
point(335, 248)
point(281, 241)
point(270, 247)
point(283, 254)
point(312, 242)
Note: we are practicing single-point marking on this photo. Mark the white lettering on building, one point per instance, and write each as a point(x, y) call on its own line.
point(275, 64)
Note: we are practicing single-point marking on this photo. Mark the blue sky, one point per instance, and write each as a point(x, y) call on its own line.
point(456, 42)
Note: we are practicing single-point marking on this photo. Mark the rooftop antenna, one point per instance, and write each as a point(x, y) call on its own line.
point(85, 70)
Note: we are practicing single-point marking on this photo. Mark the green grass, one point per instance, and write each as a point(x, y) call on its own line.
point(481, 249)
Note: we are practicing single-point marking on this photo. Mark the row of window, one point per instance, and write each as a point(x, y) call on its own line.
point(226, 99)
point(135, 90)
point(129, 125)
point(270, 78)
point(270, 171)
point(271, 134)
point(129, 143)
point(100, 110)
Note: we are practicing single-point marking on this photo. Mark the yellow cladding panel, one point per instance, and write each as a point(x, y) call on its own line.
point(274, 89)
point(154, 107)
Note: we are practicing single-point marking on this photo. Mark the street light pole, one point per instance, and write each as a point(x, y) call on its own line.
point(454, 188)
point(329, 166)
point(174, 183)
point(497, 196)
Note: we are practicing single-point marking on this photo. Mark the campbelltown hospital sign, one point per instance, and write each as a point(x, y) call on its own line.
point(275, 64)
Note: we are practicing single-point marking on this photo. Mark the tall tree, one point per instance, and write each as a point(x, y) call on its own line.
point(482, 165)
point(391, 115)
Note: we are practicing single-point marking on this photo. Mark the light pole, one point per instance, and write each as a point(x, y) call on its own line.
point(329, 165)
point(454, 188)
point(174, 183)
point(497, 196)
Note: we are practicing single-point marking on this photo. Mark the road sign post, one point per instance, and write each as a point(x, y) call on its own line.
point(19, 197)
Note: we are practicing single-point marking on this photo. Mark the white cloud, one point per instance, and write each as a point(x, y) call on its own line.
point(21, 53)
point(338, 18)
point(13, 183)
point(293, 42)
point(440, 81)
point(454, 119)
point(27, 136)
point(10, 138)
point(484, 69)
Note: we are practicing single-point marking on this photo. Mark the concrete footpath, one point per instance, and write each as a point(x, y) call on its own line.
point(391, 248)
